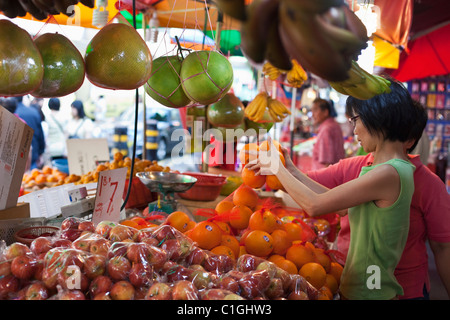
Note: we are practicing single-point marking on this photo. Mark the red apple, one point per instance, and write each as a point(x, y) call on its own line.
point(146, 235)
point(178, 273)
point(157, 257)
point(140, 292)
point(184, 290)
point(233, 296)
point(39, 269)
point(141, 275)
point(275, 289)
point(150, 241)
point(248, 262)
point(176, 249)
point(5, 268)
point(196, 256)
point(72, 295)
point(41, 245)
point(100, 246)
point(121, 232)
point(50, 278)
point(103, 228)
point(62, 243)
point(218, 264)
point(119, 268)
point(73, 257)
point(269, 266)
point(165, 232)
point(82, 243)
point(138, 252)
point(168, 265)
point(36, 291)
point(159, 291)
point(23, 267)
point(15, 249)
point(100, 284)
point(70, 223)
point(87, 226)
point(298, 295)
point(201, 279)
point(118, 249)
point(73, 279)
point(102, 296)
point(229, 283)
point(122, 290)
point(254, 283)
point(94, 266)
point(71, 234)
point(9, 285)
point(213, 294)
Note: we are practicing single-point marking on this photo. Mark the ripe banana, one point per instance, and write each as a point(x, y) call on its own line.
point(256, 108)
point(300, 35)
point(254, 30)
point(233, 8)
point(361, 84)
point(297, 75)
point(271, 71)
point(277, 110)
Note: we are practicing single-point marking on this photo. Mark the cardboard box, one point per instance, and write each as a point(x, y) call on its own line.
point(21, 211)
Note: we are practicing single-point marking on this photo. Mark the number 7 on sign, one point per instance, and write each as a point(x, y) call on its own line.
point(104, 182)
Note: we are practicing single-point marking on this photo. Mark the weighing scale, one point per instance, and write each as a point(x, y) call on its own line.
point(165, 184)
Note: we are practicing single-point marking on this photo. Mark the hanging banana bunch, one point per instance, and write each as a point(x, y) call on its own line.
point(361, 84)
point(277, 109)
point(297, 75)
point(257, 107)
point(271, 71)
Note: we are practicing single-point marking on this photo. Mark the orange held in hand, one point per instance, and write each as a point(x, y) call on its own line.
point(248, 153)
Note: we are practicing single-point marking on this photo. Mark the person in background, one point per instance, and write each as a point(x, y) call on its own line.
point(38, 103)
point(56, 136)
point(32, 118)
point(80, 126)
point(329, 145)
point(100, 109)
point(429, 219)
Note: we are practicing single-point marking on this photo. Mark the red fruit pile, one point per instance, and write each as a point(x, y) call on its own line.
point(110, 261)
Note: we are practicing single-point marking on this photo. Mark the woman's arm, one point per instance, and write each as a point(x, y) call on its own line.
point(382, 185)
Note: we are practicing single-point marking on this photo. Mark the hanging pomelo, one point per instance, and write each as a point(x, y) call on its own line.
point(164, 84)
point(206, 76)
point(118, 58)
point(228, 112)
point(21, 66)
point(63, 66)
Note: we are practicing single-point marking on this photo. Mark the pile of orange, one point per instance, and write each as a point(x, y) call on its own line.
point(251, 152)
point(50, 177)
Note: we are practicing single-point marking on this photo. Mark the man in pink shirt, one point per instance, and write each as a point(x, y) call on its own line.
point(429, 220)
point(329, 145)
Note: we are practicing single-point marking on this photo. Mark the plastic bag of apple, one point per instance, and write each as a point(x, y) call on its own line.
point(117, 262)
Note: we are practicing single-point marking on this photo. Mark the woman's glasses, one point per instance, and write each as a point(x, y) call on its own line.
point(352, 120)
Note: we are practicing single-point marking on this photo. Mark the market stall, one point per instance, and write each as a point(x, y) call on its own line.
point(112, 226)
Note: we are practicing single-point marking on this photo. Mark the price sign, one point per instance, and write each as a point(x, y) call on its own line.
point(110, 187)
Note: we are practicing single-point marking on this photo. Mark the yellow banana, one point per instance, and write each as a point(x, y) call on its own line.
point(271, 71)
point(253, 109)
point(297, 75)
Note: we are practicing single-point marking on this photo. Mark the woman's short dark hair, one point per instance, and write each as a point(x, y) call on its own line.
point(395, 115)
point(54, 104)
point(77, 104)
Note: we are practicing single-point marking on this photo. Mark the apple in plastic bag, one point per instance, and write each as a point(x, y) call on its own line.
point(122, 290)
point(141, 275)
point(159, 291)
point(100, 246)
point(23, 267)
point(118, 268)
point(94, 266)
point(41, 245)
point(15, 249)
point(184, 290)
point(36, 291)
point(100, 284)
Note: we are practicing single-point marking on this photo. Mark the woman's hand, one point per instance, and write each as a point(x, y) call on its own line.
point(267, 162)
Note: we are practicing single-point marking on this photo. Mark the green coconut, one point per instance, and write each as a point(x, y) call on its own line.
point(228, 112)
point(164, 84)
point(21, 65)
point(118, 58)
point(206, 76)
point(63, 66)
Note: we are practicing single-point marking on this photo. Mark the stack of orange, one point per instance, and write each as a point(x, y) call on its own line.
point(251, 152)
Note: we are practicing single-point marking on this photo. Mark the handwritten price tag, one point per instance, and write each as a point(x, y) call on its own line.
point(110, 187)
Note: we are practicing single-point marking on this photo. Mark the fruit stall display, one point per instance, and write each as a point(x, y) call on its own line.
point(139, 260)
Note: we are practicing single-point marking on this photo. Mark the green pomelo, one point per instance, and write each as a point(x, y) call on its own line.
point(118, 58)
point(228, 112)
point(206, 76)
point(21, 66)
point(63, 66)
point(164, 84)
